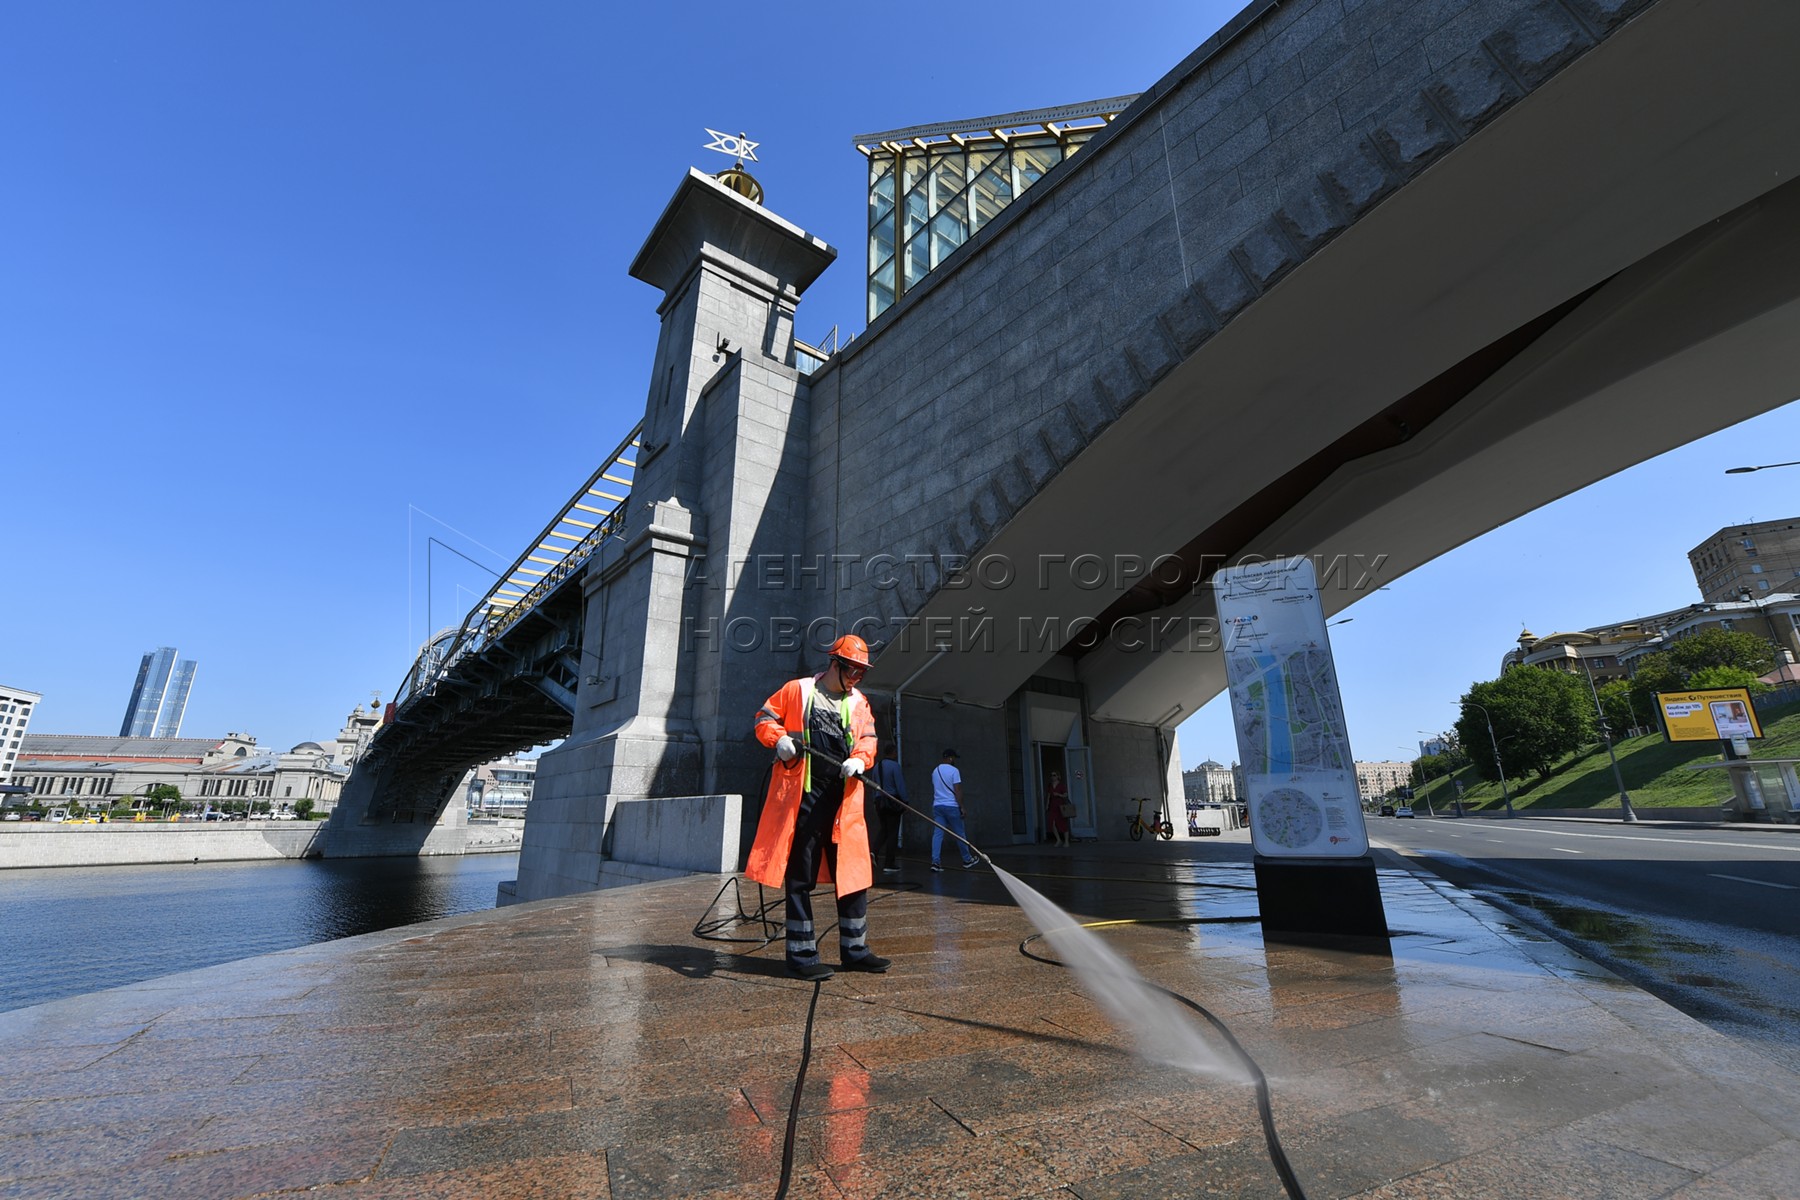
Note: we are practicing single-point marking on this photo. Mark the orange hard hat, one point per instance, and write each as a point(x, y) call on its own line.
point(851, 649)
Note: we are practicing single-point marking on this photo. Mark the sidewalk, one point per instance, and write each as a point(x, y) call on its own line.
point(593, 1047)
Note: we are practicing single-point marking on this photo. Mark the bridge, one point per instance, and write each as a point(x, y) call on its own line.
point(505, 680)
point(1358, 282)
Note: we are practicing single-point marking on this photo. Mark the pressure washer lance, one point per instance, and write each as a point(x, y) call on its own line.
point(870, 783)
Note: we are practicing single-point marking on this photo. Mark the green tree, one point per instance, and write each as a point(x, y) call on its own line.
point(1726, 677)
point(1722, 648)
point(303, 808)
point(1744, 656)
point(1616, 706)
point(1655, 673)
point(1430, 766)
point(164, 794)
point(1455, 756)
point(1540, 716)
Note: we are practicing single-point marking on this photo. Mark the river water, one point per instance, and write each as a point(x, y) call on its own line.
point(69, 930)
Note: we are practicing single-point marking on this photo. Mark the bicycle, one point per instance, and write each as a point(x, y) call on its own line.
point(1155, 826)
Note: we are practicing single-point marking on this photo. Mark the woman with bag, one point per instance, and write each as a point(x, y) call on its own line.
point(1057, 809)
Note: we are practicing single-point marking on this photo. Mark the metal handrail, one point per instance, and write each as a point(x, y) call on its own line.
point(522, 587)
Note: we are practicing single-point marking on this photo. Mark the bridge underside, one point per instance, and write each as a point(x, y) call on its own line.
point(1609, 270)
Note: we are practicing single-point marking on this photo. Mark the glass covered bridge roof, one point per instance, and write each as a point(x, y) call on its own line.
point(931, 187)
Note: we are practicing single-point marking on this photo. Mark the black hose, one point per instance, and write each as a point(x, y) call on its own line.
point(709, 930)
point(1277, 1155)
point(787, 1142)
point(1264, 1107)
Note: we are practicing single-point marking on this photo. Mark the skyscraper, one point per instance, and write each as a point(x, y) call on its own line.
point(15, 714)
point(160, 696)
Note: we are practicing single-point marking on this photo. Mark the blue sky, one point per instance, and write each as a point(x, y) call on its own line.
point(289, 288)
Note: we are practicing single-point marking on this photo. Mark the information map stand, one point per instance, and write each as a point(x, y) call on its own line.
point(1315, 881)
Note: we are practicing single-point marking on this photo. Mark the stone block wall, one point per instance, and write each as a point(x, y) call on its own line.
point(1127, 756)
point(682, 833)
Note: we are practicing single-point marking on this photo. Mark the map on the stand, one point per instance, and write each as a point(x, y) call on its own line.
point(1290, 818)
point(1290, 720)
point(1298, 771)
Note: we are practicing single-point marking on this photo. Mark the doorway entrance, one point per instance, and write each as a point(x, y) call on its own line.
point(1053, 737)
point(1074, 765)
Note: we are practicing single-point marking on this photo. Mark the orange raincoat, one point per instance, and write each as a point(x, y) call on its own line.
point(786, 713)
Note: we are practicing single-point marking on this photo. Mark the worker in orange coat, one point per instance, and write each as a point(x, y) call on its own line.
point(812, 827)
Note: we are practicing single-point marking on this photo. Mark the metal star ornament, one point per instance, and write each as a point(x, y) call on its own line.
point(739, 145)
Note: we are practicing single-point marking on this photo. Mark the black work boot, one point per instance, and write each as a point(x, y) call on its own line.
point(868, 962)
point(811, 972)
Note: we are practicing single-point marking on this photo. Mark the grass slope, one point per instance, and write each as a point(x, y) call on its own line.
point(1657, 773)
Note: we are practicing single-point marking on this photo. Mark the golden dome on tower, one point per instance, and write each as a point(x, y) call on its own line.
point(741, 182)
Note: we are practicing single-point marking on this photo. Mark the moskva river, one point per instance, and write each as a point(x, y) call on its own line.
point(69, 930)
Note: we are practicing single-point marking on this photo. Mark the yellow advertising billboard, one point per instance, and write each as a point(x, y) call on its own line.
point(1718, 714)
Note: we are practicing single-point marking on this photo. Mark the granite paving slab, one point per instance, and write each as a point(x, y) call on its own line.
point(594, 1047)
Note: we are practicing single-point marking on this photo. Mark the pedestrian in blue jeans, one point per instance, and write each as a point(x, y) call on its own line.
point(946, 810)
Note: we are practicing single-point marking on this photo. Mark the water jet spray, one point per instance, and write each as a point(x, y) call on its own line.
point(1133, 1003)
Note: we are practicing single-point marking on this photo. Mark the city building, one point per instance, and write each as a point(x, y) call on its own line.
point(1377, 779)
point(931, 187)
point(1434, 746)
point(1612, 651)
point(1213, 798)
point(160, 695)
point(353, 738)
point(16, 707)
point(501, 788)
point(79, 770)
point(1210, 783)
point(1775, 617)
point(1583, 652)
point(306, 772)
point(1747, 561)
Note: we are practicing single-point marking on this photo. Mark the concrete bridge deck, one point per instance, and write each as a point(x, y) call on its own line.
point(592, 1047)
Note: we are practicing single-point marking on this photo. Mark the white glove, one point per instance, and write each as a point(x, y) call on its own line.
point(852, 768)
point(785, 749)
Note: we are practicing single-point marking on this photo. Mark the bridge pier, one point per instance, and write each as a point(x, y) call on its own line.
point(415, 818)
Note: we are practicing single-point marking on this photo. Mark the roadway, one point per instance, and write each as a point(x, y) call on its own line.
point(1708, 919)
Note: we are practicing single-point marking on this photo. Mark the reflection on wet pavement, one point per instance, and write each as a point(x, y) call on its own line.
point(593, 1047)
point(1736, 989)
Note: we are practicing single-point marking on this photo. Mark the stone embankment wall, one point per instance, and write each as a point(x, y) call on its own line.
point(133, 843)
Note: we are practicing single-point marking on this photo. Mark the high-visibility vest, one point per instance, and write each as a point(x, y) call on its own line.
point(807, 688)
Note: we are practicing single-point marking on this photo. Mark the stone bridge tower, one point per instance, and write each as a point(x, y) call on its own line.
point(721, 479)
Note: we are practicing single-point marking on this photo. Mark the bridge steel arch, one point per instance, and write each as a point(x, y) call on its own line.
point(1354, 279)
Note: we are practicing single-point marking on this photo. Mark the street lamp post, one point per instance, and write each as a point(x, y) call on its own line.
point(1780, 647)
point(1455, 796)
point(1763, 467)
point(1419, 790)
point(1498, 765)
point(1630, 817)
point(1429, 811)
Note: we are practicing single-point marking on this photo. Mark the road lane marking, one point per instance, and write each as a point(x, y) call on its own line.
point(1561, 850)
point(1761, 882)
point(1628, 837)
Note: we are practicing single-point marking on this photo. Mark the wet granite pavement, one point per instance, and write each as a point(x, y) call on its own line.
point(593, 1047)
